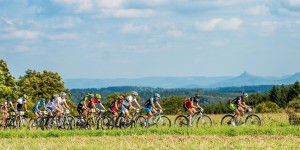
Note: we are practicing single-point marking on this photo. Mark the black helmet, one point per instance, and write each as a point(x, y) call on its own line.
point(197, 96)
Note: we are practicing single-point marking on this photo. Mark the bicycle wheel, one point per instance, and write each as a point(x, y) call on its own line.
point(205, 121)
point(163, 121)
point(141, 122)
point(68, 123)
point(78, 123)
point(23, 124)
point(228, 120)
point(34, 124)
point(181, 121)
point(107, 123)
point(128, 124)
point(90, 124)
point(253, 120)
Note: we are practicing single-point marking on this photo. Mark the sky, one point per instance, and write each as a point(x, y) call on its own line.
point(151, 38)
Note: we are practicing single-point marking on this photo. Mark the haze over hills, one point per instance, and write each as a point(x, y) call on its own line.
point(245, 79)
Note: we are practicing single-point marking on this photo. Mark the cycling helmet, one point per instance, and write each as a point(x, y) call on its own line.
point(197, 96)
point(245, 94)
point(156, 95)
point(25, 96)
point(63, 94)
point(134, 93)
point(90, 95)
point(98, 96)
point(43, 100)
point(55, 95)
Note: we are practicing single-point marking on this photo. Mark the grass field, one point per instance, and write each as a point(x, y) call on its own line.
point(275, 133)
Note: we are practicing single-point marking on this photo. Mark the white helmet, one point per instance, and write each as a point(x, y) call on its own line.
point(245, 94)
point(135, 93)
point(156, 95)
point(63, 94)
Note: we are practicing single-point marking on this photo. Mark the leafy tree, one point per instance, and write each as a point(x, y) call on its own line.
point(173, 105)
point(268, 107)
point(41, 85)
point(7, 82)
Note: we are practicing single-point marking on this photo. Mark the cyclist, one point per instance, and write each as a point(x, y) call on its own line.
point(238, 105)
point(62, 100)
point(96, 100)
point(113, 108)
point(53, 106)
point(6, 106)
point(36, 108)
point(19, 104)
point(80, 106)
point(190, 107)
point(127, 104)
point(149, 106)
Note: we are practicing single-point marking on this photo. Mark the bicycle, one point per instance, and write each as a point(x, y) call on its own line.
point(39, 122)
point(67, 121)
point(203, 120)
point(159, 120)
point(87, 123)
point(106, 122)
point(134, 120)
point(250, 119)
point(22, 122)
point(11, 122)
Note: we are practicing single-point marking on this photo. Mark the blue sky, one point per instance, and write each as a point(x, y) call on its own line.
point(143, 38)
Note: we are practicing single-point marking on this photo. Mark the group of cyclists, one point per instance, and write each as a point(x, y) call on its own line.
point(57, 104)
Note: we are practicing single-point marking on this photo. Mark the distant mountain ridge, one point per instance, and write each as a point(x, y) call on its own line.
point(245, 79)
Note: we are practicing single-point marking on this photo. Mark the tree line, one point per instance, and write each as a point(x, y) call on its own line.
point(44, 84)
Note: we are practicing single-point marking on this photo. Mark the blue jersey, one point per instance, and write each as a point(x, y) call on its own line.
point(39, 104)
point(148, 102)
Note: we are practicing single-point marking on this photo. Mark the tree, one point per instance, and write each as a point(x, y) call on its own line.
point(7, 82)
point(41, 85)
point(268, 107)
point(173, 105)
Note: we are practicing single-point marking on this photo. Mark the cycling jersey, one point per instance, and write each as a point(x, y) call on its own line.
point(8, 105)
point(235, 101)
point(95, 101)
point(20, 103)
point(39, 105)
point(113, 106)
point(125, 106)
point(61, 100)
point(188, 103)
point(148, 102)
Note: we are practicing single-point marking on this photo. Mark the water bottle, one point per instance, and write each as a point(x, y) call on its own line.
point(193, 118)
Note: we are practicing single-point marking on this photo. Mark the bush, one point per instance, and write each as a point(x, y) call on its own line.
point(293, 111)
point(267, 107)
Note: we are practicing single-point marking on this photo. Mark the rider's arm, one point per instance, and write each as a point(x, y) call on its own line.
point(130, 105)
point(12, 106)
point(102, 106)
point(159, 105)
point(25, 107)
point(241, 104)
point(138, 104)
point(66, 105)
point(152, 104)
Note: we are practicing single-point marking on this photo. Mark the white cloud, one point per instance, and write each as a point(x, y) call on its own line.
point(62, 36)
point(175, 33)
point(65, 22)
point(21, 34)
point(131, 28)
point(298, 22)
point(267, 27)
point(89, 5)
point(218, 43)
point(219, 23)
point(258, 10)
point(128, 13)
point(293, 2)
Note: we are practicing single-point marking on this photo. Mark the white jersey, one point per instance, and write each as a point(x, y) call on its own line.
point(21, 101)
point(51, 104)
point(129, 99)
point(61, 100)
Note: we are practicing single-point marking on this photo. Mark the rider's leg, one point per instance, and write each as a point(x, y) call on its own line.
point(191, 113)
